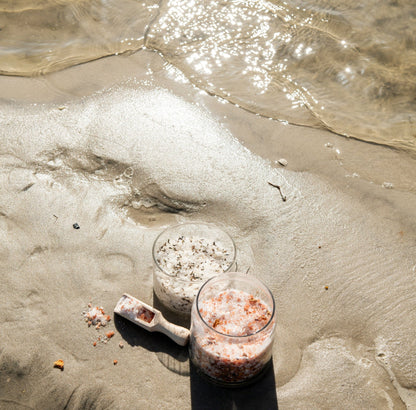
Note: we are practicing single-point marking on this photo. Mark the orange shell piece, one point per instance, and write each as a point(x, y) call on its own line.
point(59, 364)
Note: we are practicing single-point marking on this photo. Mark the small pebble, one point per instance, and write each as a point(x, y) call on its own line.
point(120, 345)
point(282, 162)
point(115, 362)
point(387, 185)
point(75, 226)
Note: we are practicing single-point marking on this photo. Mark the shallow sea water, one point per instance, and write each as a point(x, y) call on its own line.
point(346, 67)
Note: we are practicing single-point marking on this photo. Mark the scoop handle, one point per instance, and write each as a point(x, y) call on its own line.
point(178, 334)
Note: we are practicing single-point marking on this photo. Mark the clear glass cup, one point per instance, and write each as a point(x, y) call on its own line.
point(232, 329)
point(184, 257)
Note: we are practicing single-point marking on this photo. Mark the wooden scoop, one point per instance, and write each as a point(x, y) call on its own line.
point(150, 319)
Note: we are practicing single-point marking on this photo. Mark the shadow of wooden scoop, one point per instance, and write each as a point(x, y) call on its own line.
point(150, 319)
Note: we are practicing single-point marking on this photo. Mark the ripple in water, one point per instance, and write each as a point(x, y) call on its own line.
point(349, 67)
point(40, 37)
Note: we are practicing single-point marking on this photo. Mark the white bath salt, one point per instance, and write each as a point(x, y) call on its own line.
point(192, 259)
point(238, 349)
point(96, 316)
point(188, 262)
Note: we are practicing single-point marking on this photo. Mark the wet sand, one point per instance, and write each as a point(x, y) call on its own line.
point(123, 150)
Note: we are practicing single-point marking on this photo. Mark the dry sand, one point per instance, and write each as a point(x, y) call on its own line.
point(145, 149)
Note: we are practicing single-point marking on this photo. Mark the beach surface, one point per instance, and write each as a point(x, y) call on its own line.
point(97, 159)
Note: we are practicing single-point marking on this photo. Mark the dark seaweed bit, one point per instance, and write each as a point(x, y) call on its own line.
point(280, 191)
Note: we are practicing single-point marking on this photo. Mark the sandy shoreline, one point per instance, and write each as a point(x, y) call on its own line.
point(148, 151)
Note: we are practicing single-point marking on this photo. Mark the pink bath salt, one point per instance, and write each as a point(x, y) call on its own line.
point(135, 310)
point(241, 345)
point(145, 314)
point(235, 313)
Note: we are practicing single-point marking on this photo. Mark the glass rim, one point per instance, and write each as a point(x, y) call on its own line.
point(242, 275)
point(184, 224)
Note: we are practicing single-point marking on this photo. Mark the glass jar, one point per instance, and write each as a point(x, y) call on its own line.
point(184, 257)
point(232, 329)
